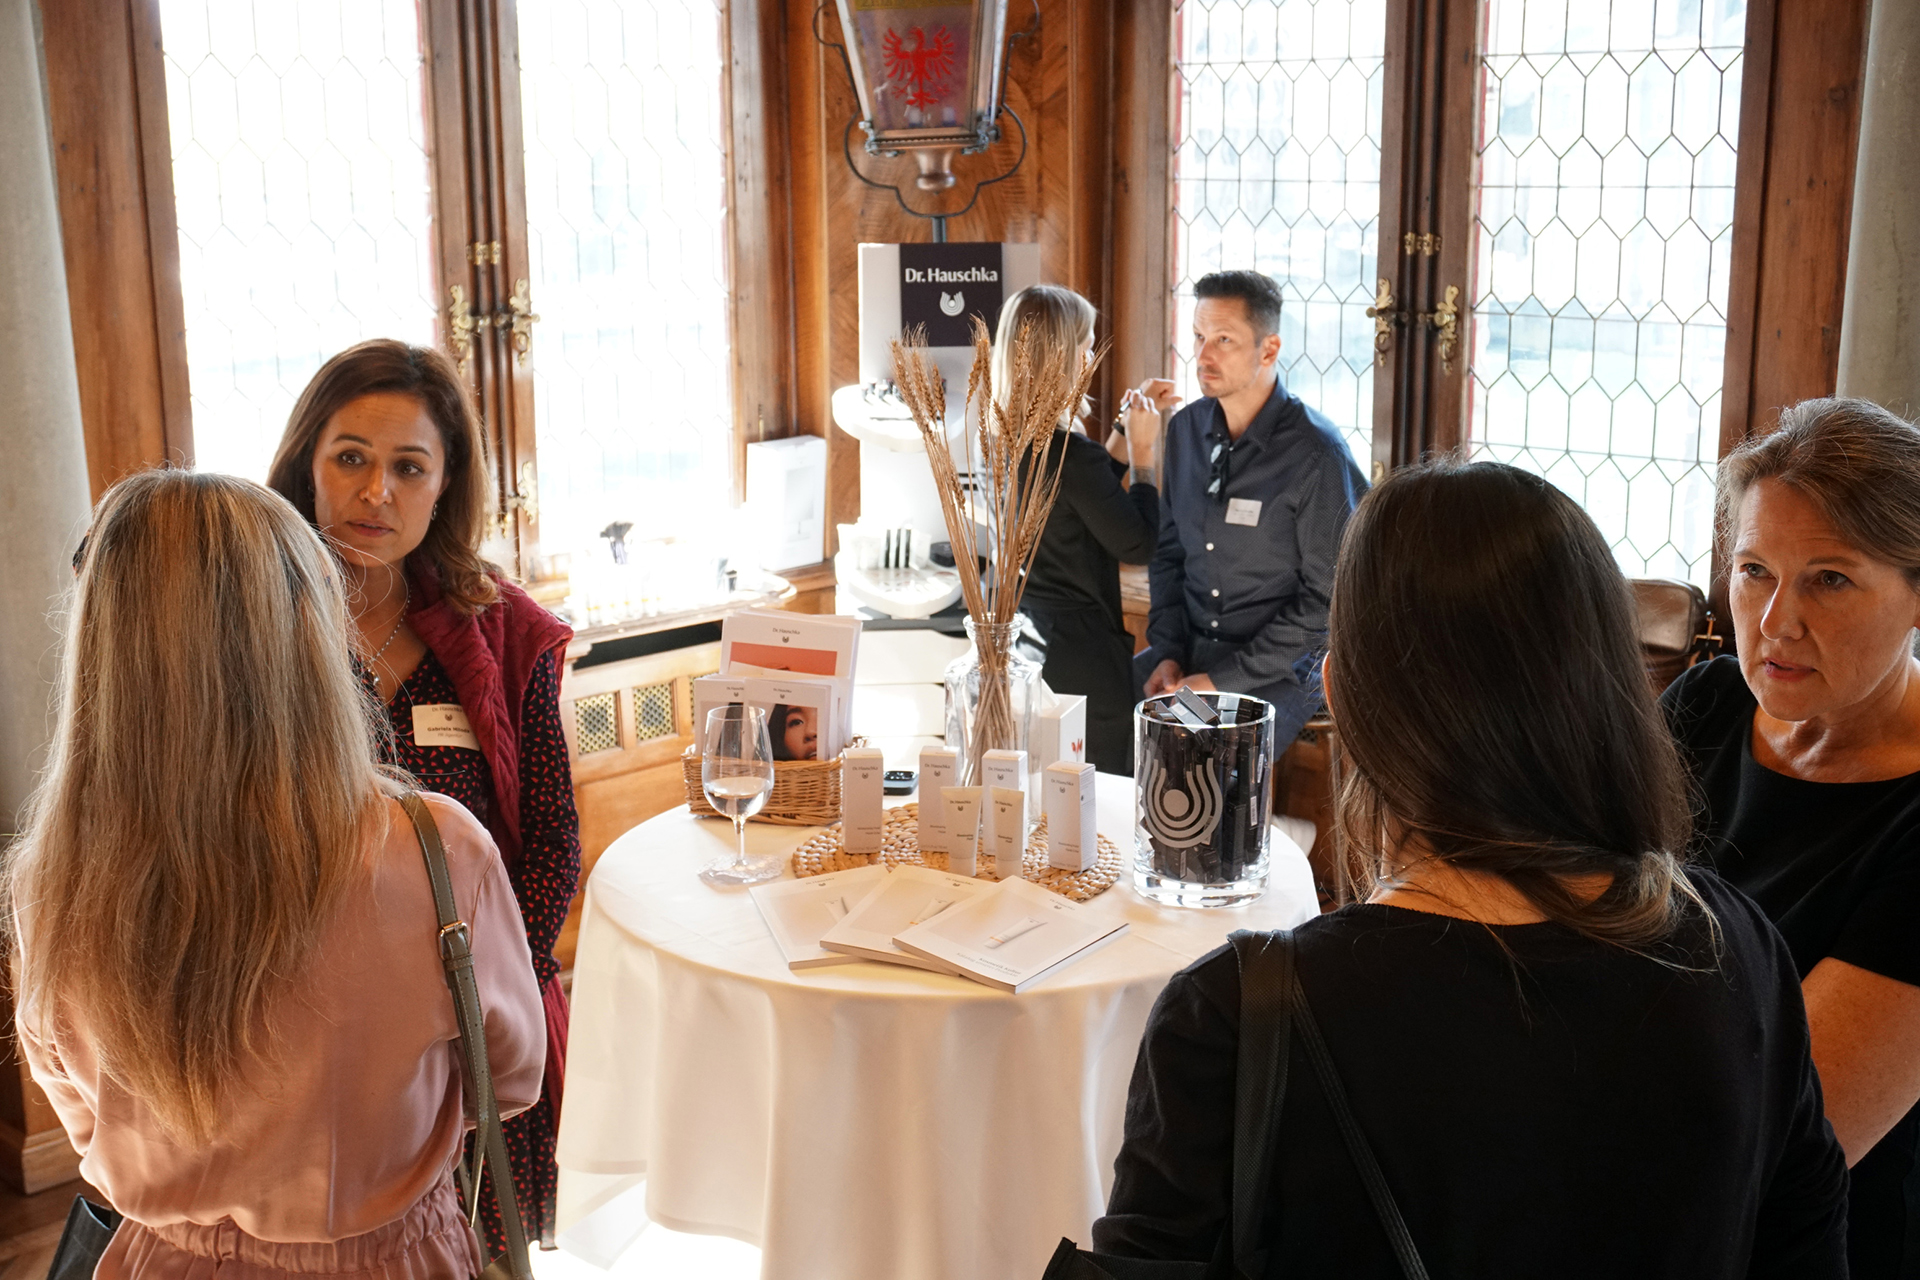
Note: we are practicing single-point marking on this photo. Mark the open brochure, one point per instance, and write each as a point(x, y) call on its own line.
point(797, 912)
point(904, 897)
point(1011, 936)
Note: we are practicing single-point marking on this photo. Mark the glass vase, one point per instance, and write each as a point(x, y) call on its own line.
point(992, 691)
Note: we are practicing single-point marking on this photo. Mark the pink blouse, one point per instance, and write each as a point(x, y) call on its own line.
point(356, 1122)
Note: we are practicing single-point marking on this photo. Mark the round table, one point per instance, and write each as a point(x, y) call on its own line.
point(863, 1121)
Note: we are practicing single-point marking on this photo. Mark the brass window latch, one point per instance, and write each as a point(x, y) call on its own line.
point(1445, 319)
point(1426, 244)
point(525, 499)
point(462, 322)
point(1384, 316)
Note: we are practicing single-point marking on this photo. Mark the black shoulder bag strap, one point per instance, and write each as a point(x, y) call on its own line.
point(456, 953)
point(1260, 1088)
point(1271, 1000)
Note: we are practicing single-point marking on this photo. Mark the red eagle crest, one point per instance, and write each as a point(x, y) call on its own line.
point(923, 69)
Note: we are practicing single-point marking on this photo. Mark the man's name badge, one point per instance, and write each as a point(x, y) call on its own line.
point(443, 724)
point(1243, 511)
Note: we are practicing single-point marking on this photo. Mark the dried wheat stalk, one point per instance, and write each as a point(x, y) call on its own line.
point(1014, 483)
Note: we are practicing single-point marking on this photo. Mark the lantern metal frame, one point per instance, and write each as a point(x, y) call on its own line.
point(934, 148)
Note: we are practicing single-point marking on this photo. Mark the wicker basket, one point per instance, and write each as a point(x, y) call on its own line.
point(806, 793)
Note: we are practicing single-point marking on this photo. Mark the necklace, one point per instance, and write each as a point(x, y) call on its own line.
point(393, 634)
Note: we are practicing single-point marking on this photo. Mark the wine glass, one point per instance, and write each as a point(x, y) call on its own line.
point(736, 772)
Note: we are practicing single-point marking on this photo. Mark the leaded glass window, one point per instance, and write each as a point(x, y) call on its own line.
point(1276, 168)
point(1603, 225)
point(301, 191)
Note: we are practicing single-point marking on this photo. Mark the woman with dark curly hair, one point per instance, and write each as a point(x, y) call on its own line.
point(384, 456)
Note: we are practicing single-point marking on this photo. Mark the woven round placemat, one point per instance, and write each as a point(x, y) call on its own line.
point(900, 845)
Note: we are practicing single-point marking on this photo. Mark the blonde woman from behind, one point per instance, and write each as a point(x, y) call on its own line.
point(222, 933)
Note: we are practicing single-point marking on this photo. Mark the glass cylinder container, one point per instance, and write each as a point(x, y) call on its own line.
point(1203, 796)
point(992, 691)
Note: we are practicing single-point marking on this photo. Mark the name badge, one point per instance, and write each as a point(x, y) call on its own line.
point(443, 724)
point(1243, 511)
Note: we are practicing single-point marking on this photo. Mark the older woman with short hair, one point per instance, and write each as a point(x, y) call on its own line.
point(1806, 748)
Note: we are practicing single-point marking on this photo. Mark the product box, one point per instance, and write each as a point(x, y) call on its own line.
point(939, 769)
point(1005, 769)
point(862, 791)
point(1059, 732)
point(1072, 835)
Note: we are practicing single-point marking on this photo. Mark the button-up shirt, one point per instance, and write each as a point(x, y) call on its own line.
point(1242, 578)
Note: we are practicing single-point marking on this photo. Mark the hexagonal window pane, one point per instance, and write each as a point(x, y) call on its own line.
point(1632, 268)
point(1312, 220)
point(300, 167)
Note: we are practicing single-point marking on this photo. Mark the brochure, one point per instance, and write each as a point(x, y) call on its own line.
point(802, 714)
point(794, 648)
point(797, 912)
point(905, 897)
point(1010, 937)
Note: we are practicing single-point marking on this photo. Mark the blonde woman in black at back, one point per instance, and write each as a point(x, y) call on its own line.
point(1098, 523)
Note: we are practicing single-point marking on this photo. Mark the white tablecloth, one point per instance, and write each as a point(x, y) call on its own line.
point(859, 1122)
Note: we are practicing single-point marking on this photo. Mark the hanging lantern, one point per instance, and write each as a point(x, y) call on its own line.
point(928, 73)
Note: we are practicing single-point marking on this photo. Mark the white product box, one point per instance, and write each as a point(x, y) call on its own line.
point(939, 769)
point(1059, 732)
point(1004, 829)
point(1073, 842)
point(862, 788)
point(1004, 769)
point(787, 498)
point(962, 806)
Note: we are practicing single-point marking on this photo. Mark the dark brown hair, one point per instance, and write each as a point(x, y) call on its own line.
point(1858, 463)
point(1491, 699)
point(452, 544)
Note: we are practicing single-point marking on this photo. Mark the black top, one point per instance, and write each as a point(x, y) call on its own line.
point(1094, 527)
point(1582, 1112)
point(1836, 866)
point(1251, 565)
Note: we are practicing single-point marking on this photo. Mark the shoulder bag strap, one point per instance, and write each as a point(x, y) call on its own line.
point(456, 953)
point(1260, 1086)
point(1357, 1145)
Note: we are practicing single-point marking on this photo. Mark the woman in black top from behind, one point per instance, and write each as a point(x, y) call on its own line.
point(1073, 585)
point(1806, 749)
point(1571, 1055)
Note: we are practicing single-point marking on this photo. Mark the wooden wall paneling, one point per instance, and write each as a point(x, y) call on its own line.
point(1793, 215)
point(1059, 83)
point(518, 462)
point(760, 226)
point(1793, 206)
point(1452, 172)
point(113, 158)
point(1140, 312)
point(1394, 410)
point(446, 131)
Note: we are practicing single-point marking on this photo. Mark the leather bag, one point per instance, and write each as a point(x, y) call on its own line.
point(456, 954)
point(1676, 628)
point(1272, 1003)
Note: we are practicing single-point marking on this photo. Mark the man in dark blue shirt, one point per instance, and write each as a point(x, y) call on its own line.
point(1255, 491)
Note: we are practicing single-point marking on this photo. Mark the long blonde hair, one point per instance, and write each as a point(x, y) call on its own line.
point(1059, 317)
point(212, 788)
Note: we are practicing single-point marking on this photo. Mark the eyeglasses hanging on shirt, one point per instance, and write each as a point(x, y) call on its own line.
point(1217, 476)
